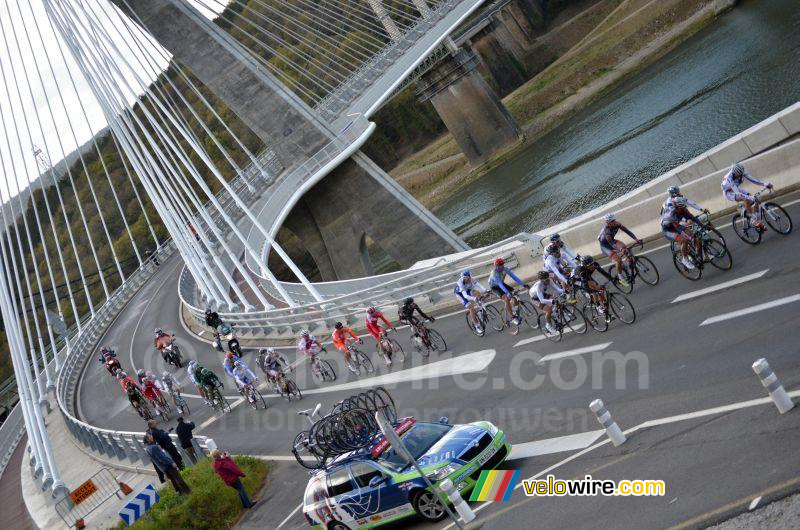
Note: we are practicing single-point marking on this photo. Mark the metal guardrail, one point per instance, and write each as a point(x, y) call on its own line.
point(93, 493)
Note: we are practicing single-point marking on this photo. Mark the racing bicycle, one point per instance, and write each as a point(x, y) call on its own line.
point(564, 316)
point(218, 401)
point(488, 315)
point(614, 306)
point(711, 250)
point(391, 348)
point(252, 395)
point(321, 368)
point(634, 267)
point(358, 360)
point(523, 311)
point(425, 339)
point(775, 216)
point(284, 386)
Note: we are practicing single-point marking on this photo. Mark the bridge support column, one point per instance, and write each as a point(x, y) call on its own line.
point(473, 114)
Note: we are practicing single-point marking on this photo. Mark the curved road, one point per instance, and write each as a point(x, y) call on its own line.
point(675, 366)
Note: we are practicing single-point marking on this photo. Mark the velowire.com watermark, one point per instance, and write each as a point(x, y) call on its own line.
point(588, 486)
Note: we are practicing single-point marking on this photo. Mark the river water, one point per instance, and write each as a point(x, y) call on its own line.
point(737, 71)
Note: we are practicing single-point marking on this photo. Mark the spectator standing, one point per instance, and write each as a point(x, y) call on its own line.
point(165, 442)
point(230, 474)
point(184, 432)
point(166, 465)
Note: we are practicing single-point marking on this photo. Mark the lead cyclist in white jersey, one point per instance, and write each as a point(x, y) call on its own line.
point(732, 191)
point(309, 345)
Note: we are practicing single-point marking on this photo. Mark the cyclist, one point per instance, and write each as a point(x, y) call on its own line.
point(212, 319)
point(106, 354)
point(581, 277)
point(612, 247)
point(271, 362)
point(228, 364)
point(673, 230)
point(172, 385)
point(501, 288)
point(566, 254)
point(151, 391)
point(243, 376)
point(543, 294)
point(554, 264)
point(195, 369)
point(309, 345)
point(464, 287)
point(374, 328)
point(134, 394)
point(124, 378)
point(340, 339)
point(732, 191)
point(406, 315)
point(161, 341)
point(140, 376)
point(673, 192)
point(209, 381)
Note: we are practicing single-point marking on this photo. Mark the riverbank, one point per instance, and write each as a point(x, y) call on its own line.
point(633, 36)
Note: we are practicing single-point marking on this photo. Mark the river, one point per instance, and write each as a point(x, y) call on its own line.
point(737, 71)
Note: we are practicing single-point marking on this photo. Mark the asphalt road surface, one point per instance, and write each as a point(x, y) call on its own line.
point(679, 357)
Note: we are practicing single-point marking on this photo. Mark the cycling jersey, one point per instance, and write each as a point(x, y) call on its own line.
point(171, 384)
point(308, 346)
point(566, 254)
point(669, 204)
point(582, 274)
point(150, 390)
point(209, 380)
point(243, 375)
point(228, 366)
point(543, 291)
point(274, 363)
point(552, 264)
point(373, 327)
point(162, 341)
point(406, 312)
point(463, 291)
point(609, 233)
point(124, 383)
point(107, 355)
point(497, 280)
point(731, 189)
point(339, 337)
point(672, 218)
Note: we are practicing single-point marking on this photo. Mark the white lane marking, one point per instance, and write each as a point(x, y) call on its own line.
point(753, 309)
point(754, 503)
point(537, 338)
point(463, 364)
point(718, 287)
point(560, 444)
point(290, 515)
point(576, 351)
point(662, 421)
point(212, 419)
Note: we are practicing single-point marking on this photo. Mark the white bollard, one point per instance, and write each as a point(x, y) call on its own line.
point(773, 385)
point(604, 417)
point(463, 509)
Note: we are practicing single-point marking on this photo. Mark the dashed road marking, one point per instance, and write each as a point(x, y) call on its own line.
point(719, 287)
point(750, 310)
point(576, 351)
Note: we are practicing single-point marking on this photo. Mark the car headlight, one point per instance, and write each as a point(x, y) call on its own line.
point(441, 473)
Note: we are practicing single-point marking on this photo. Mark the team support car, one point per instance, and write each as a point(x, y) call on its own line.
point(375, 485)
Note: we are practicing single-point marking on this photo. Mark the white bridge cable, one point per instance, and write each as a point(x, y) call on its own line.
point(198, 206)
point(204, 157)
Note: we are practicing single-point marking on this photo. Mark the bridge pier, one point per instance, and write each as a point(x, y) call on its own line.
point(472, 112)
point(295, 132)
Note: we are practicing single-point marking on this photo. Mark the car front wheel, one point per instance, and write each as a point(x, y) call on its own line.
point(336, 525)
point(428, 506)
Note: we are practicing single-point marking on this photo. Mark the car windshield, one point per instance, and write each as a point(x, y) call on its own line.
point(418, 440)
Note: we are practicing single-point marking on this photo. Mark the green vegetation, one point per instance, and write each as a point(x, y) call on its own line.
point(212, 505)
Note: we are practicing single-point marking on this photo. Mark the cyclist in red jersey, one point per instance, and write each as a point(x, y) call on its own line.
point(374, 328)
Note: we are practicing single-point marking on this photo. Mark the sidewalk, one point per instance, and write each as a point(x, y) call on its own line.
point(14, 514)
point(75, 467)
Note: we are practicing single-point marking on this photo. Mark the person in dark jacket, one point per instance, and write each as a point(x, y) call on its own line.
point(230, 474)
point(165, 442)
point(165, 464)
point(184, 432)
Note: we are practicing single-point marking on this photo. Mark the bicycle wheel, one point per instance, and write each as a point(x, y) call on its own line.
point(626, 287)
point(595, 318)
point(746, 232)
point(258, 398)
point(397, 351)
point(513, 329)
point(147, 415)
point(419, 345)
point(717, 253)
point(327, 370)
point(437, 341)
point(555, 335)
point(382, 398)
point(693, 274)
point(529, 313)
point(574, 319)
point(646, 270)
point(777, 218)
point(303, 453)
point(364, 361)
point(183, 407)
point(493, 318)
point(621, 307)
point(292, 390)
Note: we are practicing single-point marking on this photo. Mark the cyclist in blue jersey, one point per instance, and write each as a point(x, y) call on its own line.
point(610, 246)
point(502, 289)
point(465, 292)
point(243, 376)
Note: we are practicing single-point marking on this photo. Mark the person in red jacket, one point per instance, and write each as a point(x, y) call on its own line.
point(230, 474)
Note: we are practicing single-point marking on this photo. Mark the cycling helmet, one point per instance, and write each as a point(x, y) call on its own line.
point(679, 202)
point(610, 217)
point(737, 170)
point(499, 262)
point(338, 325)
point(140, 372)
point(555, 237)
point(542, 275)
point(673, 190)
point(158, 331)
point(587, 260)
point(229, 355)
point(466, 274)
point(304, 333)
point(370, 310)
point(552, 248)
point(208, 311)
point(408, 301)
